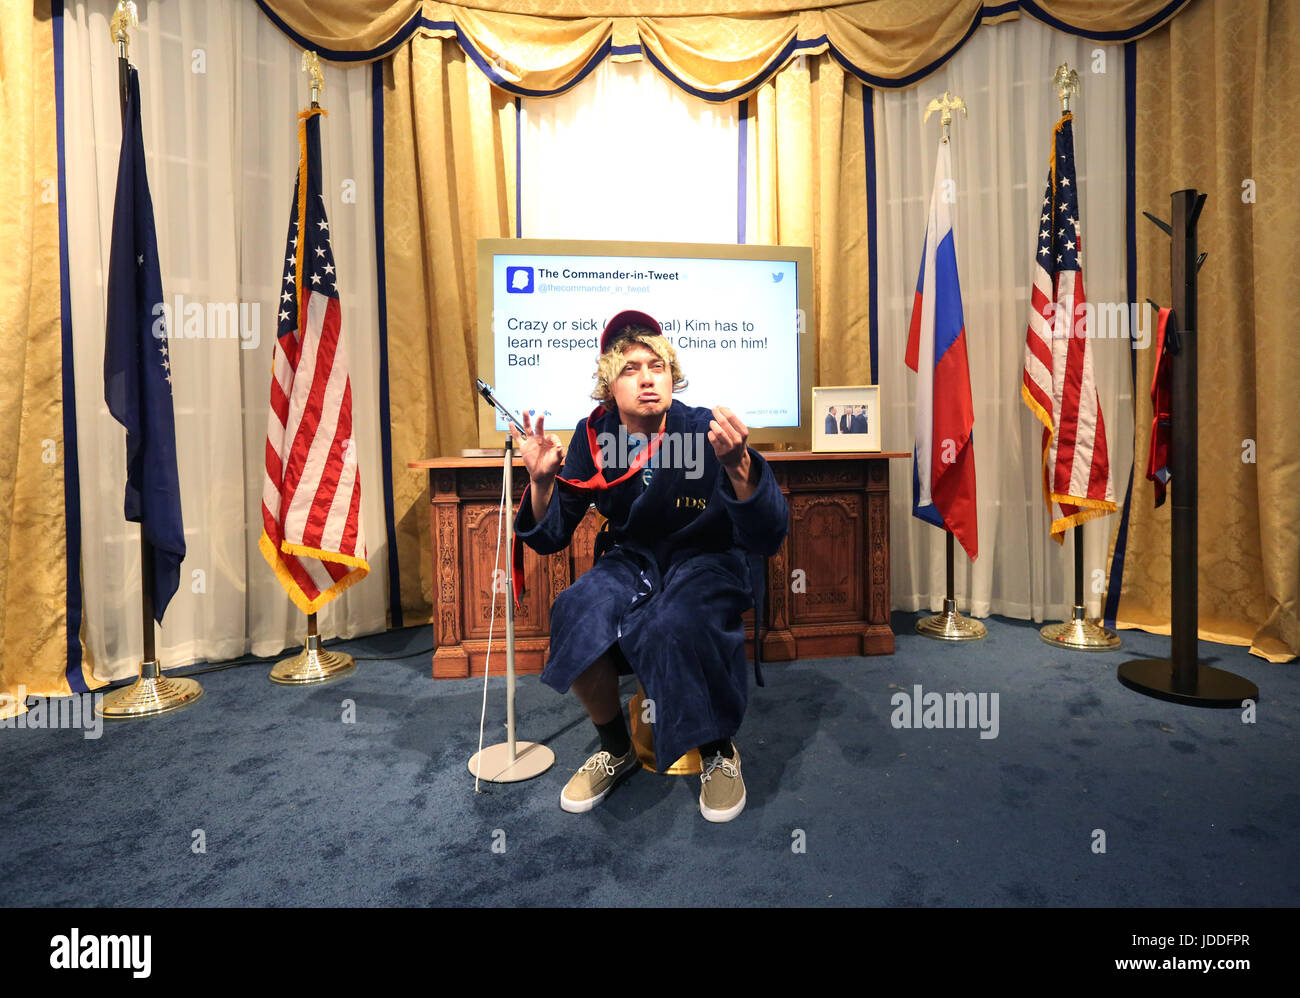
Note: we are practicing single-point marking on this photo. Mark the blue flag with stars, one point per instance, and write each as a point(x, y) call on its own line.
point(137, 366)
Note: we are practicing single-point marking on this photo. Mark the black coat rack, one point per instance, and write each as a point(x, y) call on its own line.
point(1181, 678)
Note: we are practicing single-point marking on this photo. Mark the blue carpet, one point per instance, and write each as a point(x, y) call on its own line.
point(297, 807)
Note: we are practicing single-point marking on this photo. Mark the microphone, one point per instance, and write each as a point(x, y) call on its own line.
point(485, 390)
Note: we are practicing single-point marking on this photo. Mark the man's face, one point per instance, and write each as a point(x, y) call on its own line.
point(644, 387)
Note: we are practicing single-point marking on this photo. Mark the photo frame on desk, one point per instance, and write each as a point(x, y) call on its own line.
point(853, 426)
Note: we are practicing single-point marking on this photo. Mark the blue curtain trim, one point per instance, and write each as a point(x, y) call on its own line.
point(71, 472)
point(1115, 584)
point(519, 168)
point(869, 149)
point(385, 424)
point(742, 171)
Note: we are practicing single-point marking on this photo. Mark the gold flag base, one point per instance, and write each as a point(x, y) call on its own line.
point(150, 695)
point(951, 625)
point(312, 665)
point(1080, 634)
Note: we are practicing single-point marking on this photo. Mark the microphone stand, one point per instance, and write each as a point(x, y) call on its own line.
point(510, 761)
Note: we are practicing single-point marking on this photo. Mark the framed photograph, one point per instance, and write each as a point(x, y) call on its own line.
point(846, 418)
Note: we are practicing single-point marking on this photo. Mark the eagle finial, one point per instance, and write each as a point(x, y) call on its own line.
point(124, 17)
point(1066, 82)
point(946, 105)
point(311, 64)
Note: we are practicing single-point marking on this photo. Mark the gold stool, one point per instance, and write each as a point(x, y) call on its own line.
point(643, 740)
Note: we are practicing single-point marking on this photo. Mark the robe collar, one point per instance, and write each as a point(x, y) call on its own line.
point(598, 482)
point(588, 486)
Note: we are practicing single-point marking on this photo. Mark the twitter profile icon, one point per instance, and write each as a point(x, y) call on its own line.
point(519, 280)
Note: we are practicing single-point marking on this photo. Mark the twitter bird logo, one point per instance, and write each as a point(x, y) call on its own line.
point(776, 278)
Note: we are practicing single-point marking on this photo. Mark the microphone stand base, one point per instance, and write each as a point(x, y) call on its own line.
point(493, 763)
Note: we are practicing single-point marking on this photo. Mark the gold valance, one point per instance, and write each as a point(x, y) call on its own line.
point(884, 43)
point(345, 30)
point(719, 56)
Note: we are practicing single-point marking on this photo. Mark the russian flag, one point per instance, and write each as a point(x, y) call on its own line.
point(943, 461)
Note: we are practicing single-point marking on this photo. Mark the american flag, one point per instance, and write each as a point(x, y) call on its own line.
point(311, 503)
point(1058, 382)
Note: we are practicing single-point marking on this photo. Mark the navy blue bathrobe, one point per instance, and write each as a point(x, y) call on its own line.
point(671, 591)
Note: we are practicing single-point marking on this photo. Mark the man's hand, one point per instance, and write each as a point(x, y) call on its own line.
point(543, 454)
point(543, 457)
point(728, 435)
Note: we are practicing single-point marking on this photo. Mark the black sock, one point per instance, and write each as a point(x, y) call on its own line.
point(613, 736)
point(722, 747)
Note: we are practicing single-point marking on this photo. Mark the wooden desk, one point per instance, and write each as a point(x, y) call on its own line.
point(828, 586)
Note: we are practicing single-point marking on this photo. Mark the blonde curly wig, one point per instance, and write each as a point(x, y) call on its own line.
point(610, 363)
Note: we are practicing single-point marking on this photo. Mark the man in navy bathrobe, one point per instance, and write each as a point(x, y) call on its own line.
point(688, 503)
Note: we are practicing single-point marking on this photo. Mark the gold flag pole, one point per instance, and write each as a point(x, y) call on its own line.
point(949, 625)
point(1078, 633)
point(152, 693)
point(313, 664)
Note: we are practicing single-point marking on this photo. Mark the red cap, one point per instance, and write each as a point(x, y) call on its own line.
point(627, 318)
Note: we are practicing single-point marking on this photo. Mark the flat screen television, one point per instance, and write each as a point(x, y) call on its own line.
point(739, 316)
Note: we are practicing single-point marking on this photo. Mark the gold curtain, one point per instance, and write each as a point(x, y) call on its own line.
point(449, 180)
point(1211, 114)
point(33, 538)
point(810, 190)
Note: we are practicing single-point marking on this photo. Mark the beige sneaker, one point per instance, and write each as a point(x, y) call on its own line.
point(597, 777)
point(722, 790)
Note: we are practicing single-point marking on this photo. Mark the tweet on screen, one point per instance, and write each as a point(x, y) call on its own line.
point(735, 324)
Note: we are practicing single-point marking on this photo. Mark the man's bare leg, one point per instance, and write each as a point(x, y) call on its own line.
point(597, 690)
